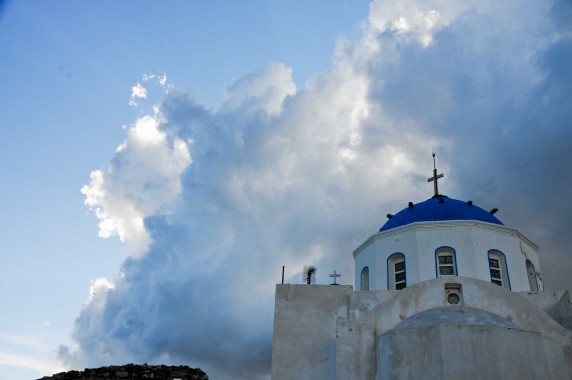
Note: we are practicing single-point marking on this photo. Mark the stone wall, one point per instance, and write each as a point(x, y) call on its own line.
point(132, 372)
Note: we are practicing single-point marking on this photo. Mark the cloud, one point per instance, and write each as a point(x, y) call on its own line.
point(264, 91)
point(282, 176)
point(137, 92)
point(160, 79)
point(143, 180)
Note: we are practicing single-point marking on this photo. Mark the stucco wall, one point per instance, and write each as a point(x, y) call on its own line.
point(304, 341)
point(355, 349)
point(327, 332)
point(475, 293)
point(556, 304)
point(469, 352)
point(470, 240)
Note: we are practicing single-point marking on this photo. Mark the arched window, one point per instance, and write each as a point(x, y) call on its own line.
point(396, 276)
point(531, 276)
point(364, 278)
point(446, 264)
point(498, 269)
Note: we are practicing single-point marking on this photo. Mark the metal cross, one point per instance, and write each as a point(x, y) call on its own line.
point(335, 275)
point(435, 176)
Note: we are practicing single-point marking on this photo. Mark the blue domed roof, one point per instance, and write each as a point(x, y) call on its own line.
point(439, 208)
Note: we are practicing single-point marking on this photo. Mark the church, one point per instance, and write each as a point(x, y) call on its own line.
point(444, 290)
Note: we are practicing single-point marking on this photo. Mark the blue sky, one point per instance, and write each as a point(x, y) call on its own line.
point(67, 72)
point(282, 136)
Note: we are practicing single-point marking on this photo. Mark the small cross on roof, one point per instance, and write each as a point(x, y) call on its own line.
point(335, 276)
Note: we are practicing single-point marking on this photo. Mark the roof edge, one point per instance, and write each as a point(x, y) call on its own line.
point(445, 224)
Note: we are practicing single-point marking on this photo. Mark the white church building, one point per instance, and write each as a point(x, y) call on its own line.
point(444, 290)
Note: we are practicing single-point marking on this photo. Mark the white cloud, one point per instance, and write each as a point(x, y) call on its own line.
point(98, 292)
point(137, 92)
point(281, 176)
point(160, 79)
point(264, 91)
point(144, 180)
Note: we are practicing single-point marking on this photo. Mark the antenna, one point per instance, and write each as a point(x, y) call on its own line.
point(309, 274)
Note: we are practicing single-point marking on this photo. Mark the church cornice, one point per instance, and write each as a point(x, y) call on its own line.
point(442, 225)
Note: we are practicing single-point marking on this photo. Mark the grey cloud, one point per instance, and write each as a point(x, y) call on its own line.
point(306, 184)
point(499, 92)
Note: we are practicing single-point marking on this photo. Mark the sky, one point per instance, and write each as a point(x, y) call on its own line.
point(161, 162)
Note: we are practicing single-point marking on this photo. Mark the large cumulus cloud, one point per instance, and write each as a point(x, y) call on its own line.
point(213, 203)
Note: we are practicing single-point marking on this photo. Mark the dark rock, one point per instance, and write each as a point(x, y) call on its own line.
point(132, 372)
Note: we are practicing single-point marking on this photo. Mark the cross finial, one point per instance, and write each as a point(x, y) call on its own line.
point(435, 176)
point(335, 276)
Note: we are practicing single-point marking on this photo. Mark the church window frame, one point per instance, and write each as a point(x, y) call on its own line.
point(498, 269)
point(445, 262)
point(396, 271)
point(364, 278)
point(532, 277)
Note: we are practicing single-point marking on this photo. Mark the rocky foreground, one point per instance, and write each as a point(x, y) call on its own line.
point(132, 372)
